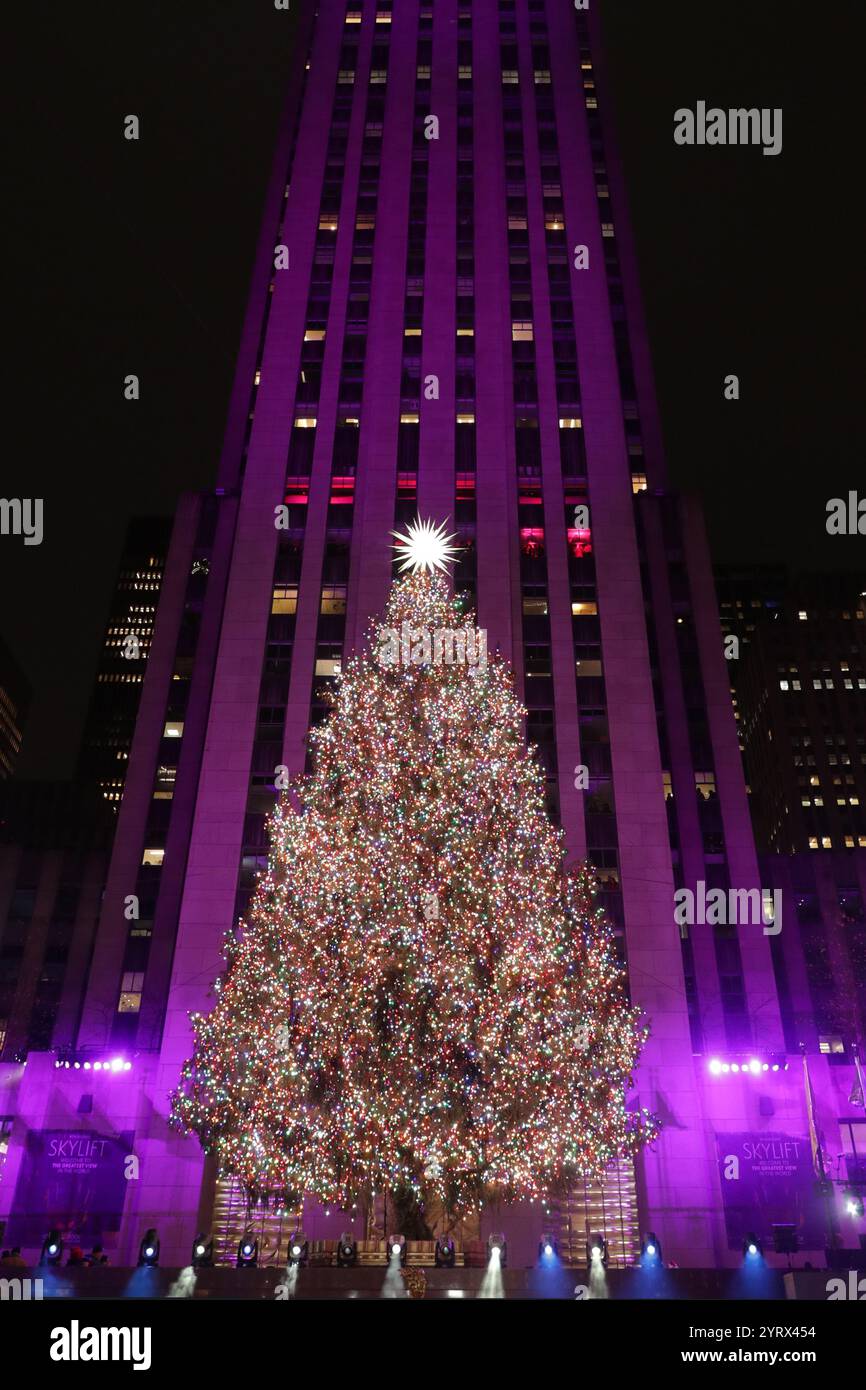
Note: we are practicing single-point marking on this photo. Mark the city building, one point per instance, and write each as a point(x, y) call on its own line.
point(445, 321)
point(111, 715)
point(15, 696)
point(55, 840)
point(800, 695)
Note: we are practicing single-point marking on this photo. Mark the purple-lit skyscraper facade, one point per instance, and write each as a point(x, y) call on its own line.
point(444, 321)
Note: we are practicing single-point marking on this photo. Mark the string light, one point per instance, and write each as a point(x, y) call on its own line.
point(363, 1042)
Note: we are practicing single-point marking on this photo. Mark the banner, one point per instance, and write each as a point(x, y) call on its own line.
point(767, 1179)
point(71, 1180)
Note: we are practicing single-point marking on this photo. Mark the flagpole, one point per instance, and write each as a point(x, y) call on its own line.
point(818, 1156)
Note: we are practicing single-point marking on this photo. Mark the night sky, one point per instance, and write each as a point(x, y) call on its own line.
point(129, 257)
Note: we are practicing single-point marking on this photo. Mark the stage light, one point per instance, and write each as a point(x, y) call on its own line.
point(716, 1067)
point(52, 1249)
point(854, 1204)
point(497, 1249)
point(651, 1249)
point(202, 1252)
point(598, 1251)
point(548, 1247)
point(148, 1251)
point(755, 1066)
point(397, 1246)
point(248, 1252)
point(445, 1255)
point(752, 1247)
point(299, 1249)
point(347, 1251)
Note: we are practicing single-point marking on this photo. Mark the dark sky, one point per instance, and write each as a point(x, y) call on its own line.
point(136, 257)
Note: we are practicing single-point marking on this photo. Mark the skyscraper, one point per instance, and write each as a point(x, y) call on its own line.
point(444, 321)
point(114, 703)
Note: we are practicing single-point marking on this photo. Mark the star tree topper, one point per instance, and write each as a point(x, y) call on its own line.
point(425, 547)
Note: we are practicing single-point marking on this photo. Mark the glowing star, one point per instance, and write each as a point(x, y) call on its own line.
point(425, 547)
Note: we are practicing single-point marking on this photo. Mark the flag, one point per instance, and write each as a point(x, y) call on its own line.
point(817, 1156)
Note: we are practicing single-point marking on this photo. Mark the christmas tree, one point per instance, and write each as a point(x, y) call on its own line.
point(421, 999)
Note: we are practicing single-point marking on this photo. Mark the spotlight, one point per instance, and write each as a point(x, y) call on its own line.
point(299, 1249)
point(548, 1248)
point(202, 1252)
point(445, 1255)
point(716, 1067)
point(497, 1248)
point(148, 1251)
point(397, 1246)
point(347, 1251)
point(854, 1204)
point(651, 1249)
point(52, 1249)
point(752, 1247)
point(598, 1251)
point(248, 1252)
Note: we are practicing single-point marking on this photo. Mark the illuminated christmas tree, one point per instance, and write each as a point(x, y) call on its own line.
point(421, 999)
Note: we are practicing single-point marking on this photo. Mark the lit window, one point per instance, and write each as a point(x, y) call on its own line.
point(705, 784)
point(849, 841)
point(285, 599)
point(535, 607)
point(308, 422)
point(333, 599)
point(314, 335)
point(131, 987)
point(542, 77)
point(554, 222)
point(346, 76)
point(584, 610)
point(153, 857)
point(813, 842)
point(464, 73)
point(570, 423)
point(783, 685)
point(510, 75)
point(638, 483)
point(668, 786)
point(327, 667)
point(607, 229)
point(516, 223)
point(826, 842)
point(379, 76)
point(328, 222)
point(831, 1044)
point(173, 729)
point(588, 669)
point(803, 616)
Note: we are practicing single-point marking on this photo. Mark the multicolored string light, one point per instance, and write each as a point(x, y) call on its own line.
point(421, 996)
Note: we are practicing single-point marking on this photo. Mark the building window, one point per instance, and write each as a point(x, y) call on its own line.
point(285, 599)
point(333, 599)
point(153, 857)
point(130, 992)
point(173, 729)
